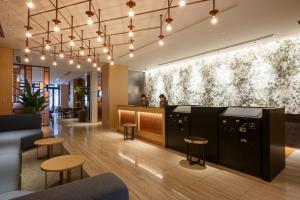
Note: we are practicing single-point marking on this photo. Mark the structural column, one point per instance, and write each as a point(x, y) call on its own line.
point(93, 96)
point(114, 93)
point(6, 81)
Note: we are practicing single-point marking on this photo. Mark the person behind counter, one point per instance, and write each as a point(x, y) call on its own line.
point(144, 100)
point(163, 101)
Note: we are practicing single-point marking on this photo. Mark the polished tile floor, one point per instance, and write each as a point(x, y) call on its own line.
point(152, 172)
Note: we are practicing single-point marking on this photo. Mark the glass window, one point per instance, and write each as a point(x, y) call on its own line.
point(51, 103)
point(56, 97)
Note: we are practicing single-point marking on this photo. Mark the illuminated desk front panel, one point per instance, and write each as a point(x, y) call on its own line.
point(150, 122)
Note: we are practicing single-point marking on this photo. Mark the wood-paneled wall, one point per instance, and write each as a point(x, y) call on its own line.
point(6, 80)
point(150, 122)
point(115, 92)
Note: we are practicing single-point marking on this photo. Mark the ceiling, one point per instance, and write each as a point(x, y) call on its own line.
point(239, 21)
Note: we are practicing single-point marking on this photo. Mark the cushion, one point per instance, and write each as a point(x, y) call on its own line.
point(10, 169)
point(20, 133)
point(10, 145)
point(19, 122)
point(27, 136)
point(13, 194)
point(102, 187)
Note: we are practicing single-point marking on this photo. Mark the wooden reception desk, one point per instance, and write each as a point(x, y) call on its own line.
point(150, 122)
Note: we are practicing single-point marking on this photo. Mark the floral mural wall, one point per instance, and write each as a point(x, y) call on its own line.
point(265, 75)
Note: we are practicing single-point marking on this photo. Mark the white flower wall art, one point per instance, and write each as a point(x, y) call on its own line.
point(265, 75)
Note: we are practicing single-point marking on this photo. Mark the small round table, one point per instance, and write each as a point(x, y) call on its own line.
point(61, 164)
point(49, 142)
point(126, 126)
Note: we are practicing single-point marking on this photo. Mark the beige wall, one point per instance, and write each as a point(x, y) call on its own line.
point(6, 75)
point(114, 91)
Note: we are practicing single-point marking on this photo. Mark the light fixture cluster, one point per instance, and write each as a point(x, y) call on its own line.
point(72, 43)
point(56, 28)
point(214, 19)
point(102, 37)
point(99, 38)
point(161, 36)
point(28, 27)
point(90, 14)
point(29, 4)
point(130, 5)
point(169, 19)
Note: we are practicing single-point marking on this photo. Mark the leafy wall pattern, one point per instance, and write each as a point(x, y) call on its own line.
point(261, 75)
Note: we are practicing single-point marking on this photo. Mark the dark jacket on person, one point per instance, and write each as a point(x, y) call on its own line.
point(163, 103)
point(145, 103)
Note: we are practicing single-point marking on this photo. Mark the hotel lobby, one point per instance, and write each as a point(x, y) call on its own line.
point(139, 99)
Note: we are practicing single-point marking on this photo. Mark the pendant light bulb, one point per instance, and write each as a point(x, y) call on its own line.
point(112, 62)
point(47, 46)
point(130, 33)
point(99, 38)
point(131, 13)
point(105, 50)
point(90, 21)
point(27, 50)
point(29, 4)
point(43, 57)
point(169, 27)
point(98, 69)
point(89, 59)
point(54, 63)
point(131, 55)
point(108, 57)
point(81, 53)
point(61, 55)
point(26, 59)
point(72, 43)
point(131, 47)
point(94, 64)
point(78, 66)
point(28, 34)
point(161, 42)
point(56, 28)
point(71, 62)
point(214, 20)
point(182, 3)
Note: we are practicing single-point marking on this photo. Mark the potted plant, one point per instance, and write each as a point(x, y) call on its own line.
point(81, 92)
point(33, 102)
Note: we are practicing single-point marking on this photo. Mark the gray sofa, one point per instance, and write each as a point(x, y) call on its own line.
point(102, 187)
point(17, 133)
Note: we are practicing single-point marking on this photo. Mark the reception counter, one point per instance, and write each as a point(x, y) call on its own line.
point(150, 122)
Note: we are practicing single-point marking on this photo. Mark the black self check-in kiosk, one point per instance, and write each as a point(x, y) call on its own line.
point(251, 140)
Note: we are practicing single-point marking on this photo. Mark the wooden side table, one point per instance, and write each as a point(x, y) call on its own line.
point(49, 143)
point(126, 127)
point(61, 164)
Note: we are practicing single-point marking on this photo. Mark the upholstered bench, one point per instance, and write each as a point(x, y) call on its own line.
point(17, 133)
point(102, 187)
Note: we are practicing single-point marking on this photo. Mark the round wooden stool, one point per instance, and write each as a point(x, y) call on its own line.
point(195, 140)
point(126, 126)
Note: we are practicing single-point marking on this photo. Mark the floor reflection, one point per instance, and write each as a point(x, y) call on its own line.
point(154, 172)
